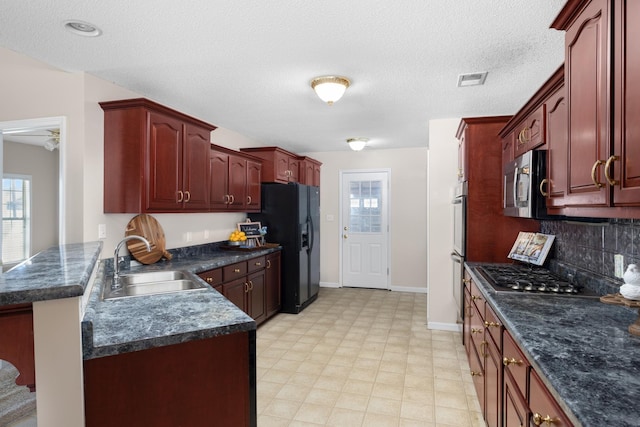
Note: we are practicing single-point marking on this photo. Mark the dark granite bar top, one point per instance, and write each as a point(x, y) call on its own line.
point(58, 272)
point(582, 349)
point(138, 323)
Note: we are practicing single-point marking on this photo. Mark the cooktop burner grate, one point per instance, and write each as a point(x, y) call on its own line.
point(532, 280)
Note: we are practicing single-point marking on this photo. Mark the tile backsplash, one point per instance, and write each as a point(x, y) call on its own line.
point(591, 246)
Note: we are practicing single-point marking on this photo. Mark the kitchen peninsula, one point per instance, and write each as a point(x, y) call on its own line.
point(162, 353)
point(169, 349)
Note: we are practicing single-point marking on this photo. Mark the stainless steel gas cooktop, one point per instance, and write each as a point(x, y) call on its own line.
point(531, 280)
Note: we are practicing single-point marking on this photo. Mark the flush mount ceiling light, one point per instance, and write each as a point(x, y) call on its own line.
point(82, 28)
point(472, 79)
point(330, 88)
point(357, 144)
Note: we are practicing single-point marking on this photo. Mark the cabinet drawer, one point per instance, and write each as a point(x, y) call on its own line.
point(515, 363)
point(493, 326)
point(256, 264)
point(212, 277)
point(543, 405)
point(234, 271)
point(530, 133)
point(477, 298)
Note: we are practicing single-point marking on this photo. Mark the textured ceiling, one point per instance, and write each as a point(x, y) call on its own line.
point(246, 65)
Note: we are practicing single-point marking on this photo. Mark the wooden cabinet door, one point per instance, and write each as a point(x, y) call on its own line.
point(196, 168)
point(557, 149)
point(236, 292)
point(219, 167)
point(477, 374)
point(530, 134)
point(469, 312)
point(256, 296)
point(272, 283)
point(462, 157)
point(516, 410)
point(316, 175)
point(237, 182)
point(294, 169)
point(626, 169)
point(492, 382)
point(587, 81)
point(543, 405)
point(281, 165)
point(164, 163)
point(253, 183)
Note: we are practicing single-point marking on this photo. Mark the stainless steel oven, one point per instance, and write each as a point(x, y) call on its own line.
point(459, 245)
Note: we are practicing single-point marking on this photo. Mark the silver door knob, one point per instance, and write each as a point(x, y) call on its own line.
point(344, 236)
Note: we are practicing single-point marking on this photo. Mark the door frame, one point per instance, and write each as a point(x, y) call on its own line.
point(344, 172)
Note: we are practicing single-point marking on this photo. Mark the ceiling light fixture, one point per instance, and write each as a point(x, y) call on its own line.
point(82, 28)
point(330, 88)
point(357, 144)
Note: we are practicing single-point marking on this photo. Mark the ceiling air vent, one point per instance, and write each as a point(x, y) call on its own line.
point(472, 79)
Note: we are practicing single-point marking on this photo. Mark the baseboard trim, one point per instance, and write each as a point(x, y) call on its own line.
point(393, 288)
point(452, 327)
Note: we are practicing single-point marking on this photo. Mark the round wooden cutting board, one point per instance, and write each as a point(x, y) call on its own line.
point(148, 227)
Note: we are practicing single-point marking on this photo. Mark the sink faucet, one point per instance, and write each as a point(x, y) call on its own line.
point(116, 261)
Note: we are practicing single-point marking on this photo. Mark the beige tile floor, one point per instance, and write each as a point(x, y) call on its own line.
point(363, 357)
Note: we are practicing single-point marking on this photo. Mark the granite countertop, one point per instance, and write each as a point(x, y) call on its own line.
point(582, 349)
point(137, 323)
point(58, 272)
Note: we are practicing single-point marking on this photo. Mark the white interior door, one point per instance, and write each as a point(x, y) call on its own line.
point(365, 229)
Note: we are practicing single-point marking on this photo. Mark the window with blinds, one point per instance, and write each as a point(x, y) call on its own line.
point(16, 218)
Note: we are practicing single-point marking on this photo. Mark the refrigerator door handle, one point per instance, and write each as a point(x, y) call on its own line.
point(312, 238)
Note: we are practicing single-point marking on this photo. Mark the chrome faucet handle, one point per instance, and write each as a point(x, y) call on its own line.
point(116, 258)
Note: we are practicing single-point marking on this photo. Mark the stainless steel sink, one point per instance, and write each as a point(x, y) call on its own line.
point(152, 283)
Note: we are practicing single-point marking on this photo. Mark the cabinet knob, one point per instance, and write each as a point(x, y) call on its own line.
point(506, 361)
point(539, 419)
point(476, 374)
point(209, 280)
point(232, 199)
point(180, 196)
point(476, 330)
point(236, 270)
point(490, 324)
point(187, 196)
point(226, 199)
point(475, 297)
point(250, 285)
point(268, 263)
point(248, 200)
point(344, 236)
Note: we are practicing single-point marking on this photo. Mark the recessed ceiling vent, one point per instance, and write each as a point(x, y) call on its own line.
point(472, 79)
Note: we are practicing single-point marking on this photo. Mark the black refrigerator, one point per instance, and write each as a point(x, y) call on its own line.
point(291, 213)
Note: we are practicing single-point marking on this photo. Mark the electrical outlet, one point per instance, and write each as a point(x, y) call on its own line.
point(102, 231)
point(619, 265)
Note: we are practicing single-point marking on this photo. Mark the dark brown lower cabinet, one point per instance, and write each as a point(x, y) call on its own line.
point(510, 392)
point(252, 285)
point(208, 382)
point(16, 341)
point(515, 407)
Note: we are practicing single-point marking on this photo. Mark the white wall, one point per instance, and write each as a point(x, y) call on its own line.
point(443, 161)
point(407, 217)
point(31, 89)
point(42, 166)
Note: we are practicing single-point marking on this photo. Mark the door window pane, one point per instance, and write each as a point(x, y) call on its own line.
point(365, 207)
